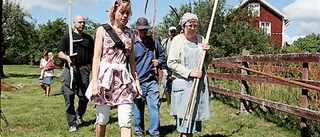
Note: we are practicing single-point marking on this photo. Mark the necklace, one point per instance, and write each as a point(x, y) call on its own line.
point(118, 30)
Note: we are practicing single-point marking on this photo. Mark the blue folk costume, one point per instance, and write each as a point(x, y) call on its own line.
point(183, 58)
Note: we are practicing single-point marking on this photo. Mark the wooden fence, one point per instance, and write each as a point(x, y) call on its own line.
point(257, 69)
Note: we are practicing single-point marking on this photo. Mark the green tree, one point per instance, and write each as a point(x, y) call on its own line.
point(231, 31)
point(50, 35)
point(239, 34)
point(2, 49)
point(91, 27)
point(310, 43)
point(20, 35)
point(171, 19)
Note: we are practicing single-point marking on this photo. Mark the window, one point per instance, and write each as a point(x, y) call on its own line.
point(254, 8)
point(266, 27)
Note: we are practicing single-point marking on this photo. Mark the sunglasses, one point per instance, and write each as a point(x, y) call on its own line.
point(191, 26)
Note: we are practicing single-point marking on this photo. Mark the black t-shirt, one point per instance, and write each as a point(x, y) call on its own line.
point(83, 45)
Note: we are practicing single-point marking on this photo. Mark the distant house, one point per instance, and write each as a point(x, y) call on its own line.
point(267, 18)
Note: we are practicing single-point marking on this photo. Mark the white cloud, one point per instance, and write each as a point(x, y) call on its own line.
point(306, 14)
point(56, 4)
point(308, 28)
point(303, 10)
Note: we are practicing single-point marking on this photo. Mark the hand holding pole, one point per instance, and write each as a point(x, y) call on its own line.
point(195, 84)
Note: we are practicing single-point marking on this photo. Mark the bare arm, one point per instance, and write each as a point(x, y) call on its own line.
point(50, 65)
point(64, 57)
point(40, 65)
point(133, 68)
point(96, 61)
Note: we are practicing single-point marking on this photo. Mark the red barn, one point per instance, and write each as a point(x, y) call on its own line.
point(267, 18)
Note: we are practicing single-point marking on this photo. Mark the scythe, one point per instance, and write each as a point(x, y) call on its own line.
point(70, 43)
point(195, 84)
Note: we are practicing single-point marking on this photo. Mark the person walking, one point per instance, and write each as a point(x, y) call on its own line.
point(83, 45)
point(167, 81)
point(46, 65)
point(183, 59)
point(114, 78)
point(149, 56)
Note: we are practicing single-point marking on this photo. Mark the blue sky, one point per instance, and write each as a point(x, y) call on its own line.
point(303, 14)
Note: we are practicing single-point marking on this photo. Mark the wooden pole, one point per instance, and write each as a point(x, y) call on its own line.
point(193, 93)
point(283, 79)
point(70, 42)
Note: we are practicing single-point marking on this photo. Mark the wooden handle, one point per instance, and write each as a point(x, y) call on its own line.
point(194, 88)
point(282, 79)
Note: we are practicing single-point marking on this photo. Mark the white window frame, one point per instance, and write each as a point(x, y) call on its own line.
point(265, 27)
point(254, 8)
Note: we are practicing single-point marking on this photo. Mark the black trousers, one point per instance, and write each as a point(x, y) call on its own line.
point(79, 87)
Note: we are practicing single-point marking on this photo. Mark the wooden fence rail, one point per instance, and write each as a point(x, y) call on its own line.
point(257, 69)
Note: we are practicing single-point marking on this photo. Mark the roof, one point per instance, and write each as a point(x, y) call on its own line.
point(269, 6)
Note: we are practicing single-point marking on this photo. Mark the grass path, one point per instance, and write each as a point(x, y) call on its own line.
point(30, 114)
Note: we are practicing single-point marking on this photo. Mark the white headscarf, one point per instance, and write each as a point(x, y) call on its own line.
point(186, 17)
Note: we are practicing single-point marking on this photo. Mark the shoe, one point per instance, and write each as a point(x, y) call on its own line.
point(73, 129)
point(138, 135)
point(79, 120)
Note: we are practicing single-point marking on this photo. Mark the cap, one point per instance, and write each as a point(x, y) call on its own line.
point(172, 28)
point(142, 23)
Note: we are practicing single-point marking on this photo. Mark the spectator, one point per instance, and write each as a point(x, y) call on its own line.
point(83, 45)
point(46, 65)
point(167, 81)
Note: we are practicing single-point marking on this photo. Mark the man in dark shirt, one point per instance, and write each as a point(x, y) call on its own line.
point(148, 56)
point(83, 45)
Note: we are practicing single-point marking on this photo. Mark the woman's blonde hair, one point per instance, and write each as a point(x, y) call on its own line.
point(122, 4)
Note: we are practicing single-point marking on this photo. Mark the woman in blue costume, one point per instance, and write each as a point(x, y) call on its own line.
point(184, 56)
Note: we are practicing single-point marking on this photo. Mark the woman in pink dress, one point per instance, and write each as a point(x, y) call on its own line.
point(114, 79)
point(46, 65)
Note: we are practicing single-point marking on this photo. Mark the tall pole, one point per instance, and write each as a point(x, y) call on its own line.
point(195, 84)
point(2, 48)
point(70, 42)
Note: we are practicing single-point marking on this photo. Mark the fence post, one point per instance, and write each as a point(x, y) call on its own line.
point(244, 105)
point(304, 99)
point(212, 66)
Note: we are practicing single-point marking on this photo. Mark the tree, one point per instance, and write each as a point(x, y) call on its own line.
point(2, 49)
point(19, 34)
point(310, 43)
point(49, 37)
point(231, 31)
point(91, 27)
point(239, 33)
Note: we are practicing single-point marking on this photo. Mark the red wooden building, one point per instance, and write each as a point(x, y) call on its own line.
point(267, 18)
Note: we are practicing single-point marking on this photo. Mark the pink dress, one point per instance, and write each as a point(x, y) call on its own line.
point(115, 79)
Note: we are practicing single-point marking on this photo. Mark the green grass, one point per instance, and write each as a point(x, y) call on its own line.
point(30, 114)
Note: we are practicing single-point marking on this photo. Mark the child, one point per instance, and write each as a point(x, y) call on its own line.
point(46, 63)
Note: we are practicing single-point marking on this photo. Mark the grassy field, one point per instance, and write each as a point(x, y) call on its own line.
point(30, 114)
